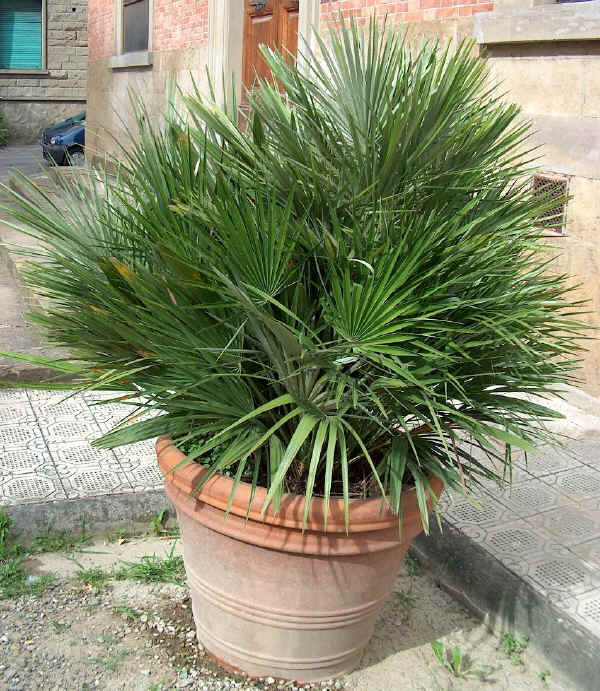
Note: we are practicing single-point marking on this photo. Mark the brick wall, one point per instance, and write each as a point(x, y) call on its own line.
point(177, 24)
point(180, 24)
point(399, 11)
point(101, 28)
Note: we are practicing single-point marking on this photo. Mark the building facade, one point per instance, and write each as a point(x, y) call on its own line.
point(43, 63)
point(546, 54)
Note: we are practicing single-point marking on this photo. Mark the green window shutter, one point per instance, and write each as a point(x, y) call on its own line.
point(20, 34)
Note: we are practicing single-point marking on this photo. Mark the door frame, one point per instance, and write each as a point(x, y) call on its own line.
point(226, 38)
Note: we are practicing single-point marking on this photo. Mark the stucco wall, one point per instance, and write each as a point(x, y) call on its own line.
point(109, 107)
point(30, 102)
point(557, 83)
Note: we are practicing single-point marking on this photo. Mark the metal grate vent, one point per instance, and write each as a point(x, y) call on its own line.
point(549, 188)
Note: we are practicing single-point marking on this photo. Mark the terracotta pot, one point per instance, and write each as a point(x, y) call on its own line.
point(271, 599)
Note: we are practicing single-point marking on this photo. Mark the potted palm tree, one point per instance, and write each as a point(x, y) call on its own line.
point(318, 307)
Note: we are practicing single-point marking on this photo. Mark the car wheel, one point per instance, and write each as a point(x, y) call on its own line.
point(77, 157)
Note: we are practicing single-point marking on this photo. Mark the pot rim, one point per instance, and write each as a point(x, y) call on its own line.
point(364, 514)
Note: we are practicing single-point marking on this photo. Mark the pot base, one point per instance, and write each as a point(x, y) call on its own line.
point(279, 614)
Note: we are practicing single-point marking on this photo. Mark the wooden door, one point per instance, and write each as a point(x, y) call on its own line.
point(273, 23)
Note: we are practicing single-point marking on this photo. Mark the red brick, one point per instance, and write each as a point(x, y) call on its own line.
point(446, 12)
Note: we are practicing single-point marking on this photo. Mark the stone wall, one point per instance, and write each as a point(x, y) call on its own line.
point(31, 102)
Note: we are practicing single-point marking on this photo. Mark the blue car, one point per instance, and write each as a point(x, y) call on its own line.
point(64, 143)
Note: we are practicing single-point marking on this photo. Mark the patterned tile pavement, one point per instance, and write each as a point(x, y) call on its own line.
point(546, 528)
point(46, 455)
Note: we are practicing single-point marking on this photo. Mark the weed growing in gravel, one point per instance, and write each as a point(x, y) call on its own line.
point(57, 542)
point(95, 577)
point(14, 580)
point(130, 613)
point(154, 569)
point(111, 661)
point(544, 675)
point(459, 664)
point(107, 640)
point(60, 627)
point(514, 648)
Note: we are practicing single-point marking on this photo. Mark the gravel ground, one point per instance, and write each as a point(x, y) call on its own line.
point(126, 635)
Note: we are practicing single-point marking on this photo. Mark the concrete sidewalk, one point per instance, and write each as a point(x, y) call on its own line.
point(24, 157)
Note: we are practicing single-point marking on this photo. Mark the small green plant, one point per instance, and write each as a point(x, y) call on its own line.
point(158, 525)
point(59, 627)
point(94, 577)
point(4, 528)
point(457, 663)
point(514, 648)
point(58, 542)
point(413, 568)
point(544, 675)
point(14, 579)
point(157, 522)
point(151, 569)
point(111, 661)
point(107, 640)
point(129, 613)
point(3, 131)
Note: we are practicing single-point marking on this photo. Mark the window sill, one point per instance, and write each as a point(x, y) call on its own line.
point(142, 58)
point(561, 22)
point(23, 73)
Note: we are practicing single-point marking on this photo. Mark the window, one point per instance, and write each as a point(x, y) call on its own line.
point(136, 24)
point(21, 35)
